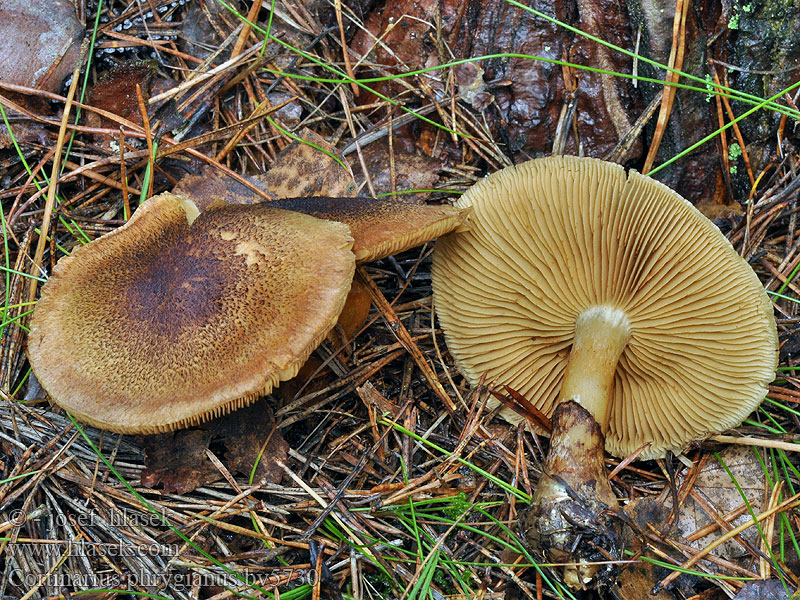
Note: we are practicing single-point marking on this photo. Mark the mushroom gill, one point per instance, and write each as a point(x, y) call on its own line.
point(577, 280)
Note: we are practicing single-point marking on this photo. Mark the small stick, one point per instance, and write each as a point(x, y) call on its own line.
point(123, 176)
point(149, 136)
point(675, 62)
point(760, 442)
point(402, 335)
point(347, 66)
point(252, 15)
point(51, 189)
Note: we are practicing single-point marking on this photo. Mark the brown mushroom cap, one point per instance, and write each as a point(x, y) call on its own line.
point(162, 324)
point(552, 240)
point(380, 227)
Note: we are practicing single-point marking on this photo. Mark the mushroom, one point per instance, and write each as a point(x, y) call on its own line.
point(580, 284)
point(380, 227)
point(577, 280)
point(177, 317)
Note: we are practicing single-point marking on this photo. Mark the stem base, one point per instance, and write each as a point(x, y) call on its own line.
point(568, 519)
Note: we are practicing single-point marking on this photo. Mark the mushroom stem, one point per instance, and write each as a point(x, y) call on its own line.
point(573, 494)
point(601, 333)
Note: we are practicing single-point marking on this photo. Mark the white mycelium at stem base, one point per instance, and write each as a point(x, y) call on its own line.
point(601, 333)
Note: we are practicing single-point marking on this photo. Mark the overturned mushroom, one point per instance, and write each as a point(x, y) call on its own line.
point(581, 284)
point(171, 319)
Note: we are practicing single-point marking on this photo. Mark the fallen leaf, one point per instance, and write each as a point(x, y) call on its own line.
point(24, 133)
point(299, 171)
point(372, 397)
point(771, 589)
point(39, 42)
point(115, 92)
point(203, 29)
point(178, 460)
point(39, 45)
point(302, 170)
point(713, 486)
point(290, 114)
point(636, 582)
point(716, 486)
point(244, 433)
point(211, 185)
point(411, 171)
point(404, 29)
point(471, 85)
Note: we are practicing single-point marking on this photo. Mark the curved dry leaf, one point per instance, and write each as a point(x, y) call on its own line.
point(302, 170)
point(713, 484)
point(115, 92)
point(212, 185)
point(411, 171)
point(714, 488)
point(39, 42)
point(178, 460)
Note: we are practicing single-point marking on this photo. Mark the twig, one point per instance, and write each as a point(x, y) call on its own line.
point(54, 175)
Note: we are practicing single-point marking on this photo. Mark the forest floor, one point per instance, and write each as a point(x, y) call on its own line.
point(378, 472)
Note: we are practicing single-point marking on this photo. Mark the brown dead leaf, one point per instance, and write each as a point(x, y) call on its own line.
point(115, 92)
point(372, 397)
point(302, 170)
point(716, 486)
point(716, 210)
point(471, 85)
point(245, 431)
point(412, 171)
point(404, 29)
point(771, 589)
point(636, 582)
point(299, 171)
point(290, 113)
point(25, 132)
point(211, 185)
point(712, 486)
point(39, 42)
point(202, 29)
point(178, 460)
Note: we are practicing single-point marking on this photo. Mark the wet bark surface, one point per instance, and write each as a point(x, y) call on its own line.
point(765, 53)
point(753, 47)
